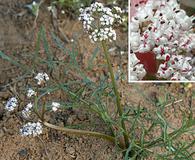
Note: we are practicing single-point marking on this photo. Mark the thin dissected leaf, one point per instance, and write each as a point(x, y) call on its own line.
point(47, 50)
point(91, 60)
point(165, 135)
point(38, 44)
point(100, 89)
point(14, 62)
point(7, 58)
point(59, 43)
point(182, 153)
point(127, 152)
point(73, 56)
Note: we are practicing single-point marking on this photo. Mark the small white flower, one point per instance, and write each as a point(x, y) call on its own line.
point(11, 104)
point(51, 9)
point(41, 78)
point(55, 106)
point(33, 129)
point(30, 92)
point(34, 3)
point(62, 11)
point(27, 111)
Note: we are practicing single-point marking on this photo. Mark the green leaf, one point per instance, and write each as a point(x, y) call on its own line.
point(14, 62)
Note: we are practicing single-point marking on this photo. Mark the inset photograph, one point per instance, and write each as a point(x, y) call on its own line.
point(162, 40)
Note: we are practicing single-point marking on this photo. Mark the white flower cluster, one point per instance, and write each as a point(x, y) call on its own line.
point(162, 27)
point(30, 92)
point(41, 78)
point(55, 106)
point(137, 70)
point(11, 104)
point(30, 128)
point(27, 111)
point(99, 21)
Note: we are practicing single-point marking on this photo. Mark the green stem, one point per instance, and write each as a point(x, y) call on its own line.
point(118, 103)
point(80, 132)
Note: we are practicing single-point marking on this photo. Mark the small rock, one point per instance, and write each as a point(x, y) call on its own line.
point(20, 84)
point(1, 133)
point(61, 124)
point(82, 117)
point(71, 151)
point(66, 138)
point(22, 96)
point(23, 152)
point(71, 120)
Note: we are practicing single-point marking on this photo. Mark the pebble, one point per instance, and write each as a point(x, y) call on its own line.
point(1, 133)
point(71, 119)
point(71, 151)
point(23, 152)
point(82, 117)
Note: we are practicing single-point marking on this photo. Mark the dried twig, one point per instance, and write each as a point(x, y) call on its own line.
point(170, 104)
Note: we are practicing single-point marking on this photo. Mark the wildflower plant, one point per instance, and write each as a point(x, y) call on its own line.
point(163, 28)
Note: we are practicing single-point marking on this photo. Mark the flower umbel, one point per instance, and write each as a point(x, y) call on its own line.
point(99, 21)
point(11, 104)
point(33, 129)
point(41, 78)
point(55, 106)
point(30, 92)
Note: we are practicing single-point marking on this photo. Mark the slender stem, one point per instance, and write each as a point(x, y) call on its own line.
point(118, 103)
point(81, 132)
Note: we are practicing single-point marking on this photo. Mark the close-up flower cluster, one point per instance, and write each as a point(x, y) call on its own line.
point(99, 21)
point(163, 28)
